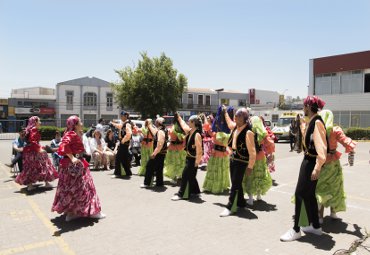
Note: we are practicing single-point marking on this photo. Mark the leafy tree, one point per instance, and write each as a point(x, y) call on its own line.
point(153, 87)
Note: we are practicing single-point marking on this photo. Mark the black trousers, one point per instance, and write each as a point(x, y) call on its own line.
point(189, 179)
point(237, 172)
point(18, 160)
point(291, 141)
point(122, 159)
point(306, 192)
point(155, 166)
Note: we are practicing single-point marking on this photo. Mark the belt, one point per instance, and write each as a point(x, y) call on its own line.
point(332, 151)
point(306, 153)
point(235, 155)
point(238, 159)
point(147, 140)
point(220, 148)
point(176, 142)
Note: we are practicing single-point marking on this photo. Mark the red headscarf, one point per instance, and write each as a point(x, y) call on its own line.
point(314, 101)
point(31, 124)
point(72, 121)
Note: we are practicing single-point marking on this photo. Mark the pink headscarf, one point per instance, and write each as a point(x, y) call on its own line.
point(72, 121)
point(314, 101)
point(31, 124)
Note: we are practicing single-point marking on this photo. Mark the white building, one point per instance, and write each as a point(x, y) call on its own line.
point(263, 99)
point(343, 82)
point(89, 98)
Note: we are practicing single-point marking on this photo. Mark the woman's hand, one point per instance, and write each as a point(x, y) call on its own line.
point(75, 160)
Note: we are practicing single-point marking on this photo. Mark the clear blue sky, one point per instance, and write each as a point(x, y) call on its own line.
point(216, 44)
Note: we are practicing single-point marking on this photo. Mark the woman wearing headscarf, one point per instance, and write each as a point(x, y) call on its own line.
point(314, 143)
point(207, 141)
point(217, 178)
point(242, 159)
point(176, 155)
point(193, 147)
point(146, 148)
point(36, 163)
point(330, 189)
point(76, 194)
point(259, 182)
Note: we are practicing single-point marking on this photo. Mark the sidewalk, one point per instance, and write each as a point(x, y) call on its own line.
point(143, 221)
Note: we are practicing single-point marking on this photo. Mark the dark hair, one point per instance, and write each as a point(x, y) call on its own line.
point(100, 120)
point(57, 132)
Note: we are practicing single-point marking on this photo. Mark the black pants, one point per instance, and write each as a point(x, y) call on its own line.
point(122, 159)
point(155, 165)
point(189, 179)
point(237, 172)
point(291, 141)
point(18, 160)
point(306, 192)
point(136, 153)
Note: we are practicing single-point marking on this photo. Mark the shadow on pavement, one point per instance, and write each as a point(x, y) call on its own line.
point(158, 189)
point(337, 226)
point(195, 199)
point(323, 242)
point(73, 225)
point(225, 193)
point(242, 212)
point(261, 205)
point(38, 190)
point(274, 183)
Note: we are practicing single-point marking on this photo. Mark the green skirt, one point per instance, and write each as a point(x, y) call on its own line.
point(217, 178)
point(329, 189)
point(174, 164)
point(260, 181)
point(145, 156)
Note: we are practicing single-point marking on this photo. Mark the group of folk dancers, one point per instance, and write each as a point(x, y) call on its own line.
point(235, 147)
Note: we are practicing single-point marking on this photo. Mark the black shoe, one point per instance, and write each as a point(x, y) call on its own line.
point(9, 165)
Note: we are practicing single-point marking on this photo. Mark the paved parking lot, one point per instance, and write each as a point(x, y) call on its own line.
point(143, 221)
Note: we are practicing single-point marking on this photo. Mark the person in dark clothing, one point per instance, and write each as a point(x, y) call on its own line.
point(18, 145)
point(315, 152)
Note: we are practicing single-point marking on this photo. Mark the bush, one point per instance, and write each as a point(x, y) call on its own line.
point(358, 133)
point(48, 132)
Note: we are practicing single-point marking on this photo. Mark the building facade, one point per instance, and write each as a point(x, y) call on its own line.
point(89, 98)
point(343, 82)
point(263, 99)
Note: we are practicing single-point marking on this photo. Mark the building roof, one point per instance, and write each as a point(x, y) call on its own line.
point(201, 90)
point(341, 63)
point(86, 81)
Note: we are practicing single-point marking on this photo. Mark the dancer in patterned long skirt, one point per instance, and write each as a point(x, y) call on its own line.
point(146, 148)
point(314, 142)
point(176, 155)
point(76, 194)
point(330, 189)
point(207, 141)
point(217, 178)
point(259, 182)
point(36, 164)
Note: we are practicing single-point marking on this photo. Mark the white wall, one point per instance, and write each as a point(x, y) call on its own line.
point(347, 102)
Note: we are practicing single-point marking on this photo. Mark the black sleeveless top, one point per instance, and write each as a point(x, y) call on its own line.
point(241, 151)
point(123, 133)
point(190, 145)
point(155, 141)
point(309, 145)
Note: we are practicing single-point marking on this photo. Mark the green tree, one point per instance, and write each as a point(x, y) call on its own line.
point(153, 87)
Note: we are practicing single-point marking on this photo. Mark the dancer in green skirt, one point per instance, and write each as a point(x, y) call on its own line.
point(260, 181)
point(176, 155)
point(146, 148)
point(330, 190)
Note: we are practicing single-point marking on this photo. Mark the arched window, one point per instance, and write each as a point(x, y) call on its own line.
point(90, 100)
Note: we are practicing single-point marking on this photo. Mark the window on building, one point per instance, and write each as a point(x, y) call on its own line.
point(90, 99)
point(208, 100)
point(20, 103)
point(109, 101)
point(69, 96)
point(190, 99)
point(242, 102)
point(225, 101)
point(27, 104)
point(367, 83)
point(200, 99)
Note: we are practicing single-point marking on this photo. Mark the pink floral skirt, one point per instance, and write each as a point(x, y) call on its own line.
point(36, 167)
point(207, 147)
point(76, 191)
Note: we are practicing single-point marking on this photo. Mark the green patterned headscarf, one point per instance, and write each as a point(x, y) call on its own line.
point(144, 130)
point(178, 131)
point(328, 118)
point(258, 128)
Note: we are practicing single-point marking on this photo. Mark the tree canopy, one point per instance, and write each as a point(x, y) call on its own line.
point(153, 87)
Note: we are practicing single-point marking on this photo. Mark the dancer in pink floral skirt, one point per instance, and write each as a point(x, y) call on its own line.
point(36, 163)
point(76, 195)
